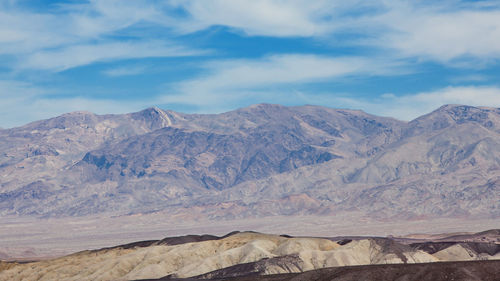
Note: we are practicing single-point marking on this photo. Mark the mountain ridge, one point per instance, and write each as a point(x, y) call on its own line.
point(261, 160)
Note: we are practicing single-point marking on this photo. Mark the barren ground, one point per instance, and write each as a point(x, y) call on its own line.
point(29, 238)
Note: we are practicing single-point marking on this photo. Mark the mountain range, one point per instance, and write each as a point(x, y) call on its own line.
point(262, 160)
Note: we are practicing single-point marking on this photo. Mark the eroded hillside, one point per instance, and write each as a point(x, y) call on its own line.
point(239, 254)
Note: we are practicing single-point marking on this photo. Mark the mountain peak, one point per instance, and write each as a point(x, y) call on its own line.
point(264, 107)
point(155, 116)
point(460, 108)
point(464, 113)
point(78, 113)
point(253, 155)
point(151, 110)
point(454, 114)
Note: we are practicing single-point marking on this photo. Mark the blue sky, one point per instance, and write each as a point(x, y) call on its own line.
point(391, 58)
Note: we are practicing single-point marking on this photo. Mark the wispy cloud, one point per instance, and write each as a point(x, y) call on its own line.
point(79, 34)
point(227, 83)
point(376, 38)
point(441, 33)
point(16, 110)
point(260, 17)
point(472, 78)
point(125, 70)
point(410, 106)
point(21, 102)
point(72, 56)
point(278, 79)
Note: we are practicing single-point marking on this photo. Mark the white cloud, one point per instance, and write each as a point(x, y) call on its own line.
point(57, 106)
point(21, 103)
point(228, 83)
point(469, 78)
point(72, 23)
point(261, 17)
point(279, 79)
point(408, 107)
point(125, 70)
point(440, 34)
point(73, 35)
point(80, 34)
point(72, 56)
point(23, 32)
point(411, 106)
point(13, 97)
point(442, 31)
point(290, 68)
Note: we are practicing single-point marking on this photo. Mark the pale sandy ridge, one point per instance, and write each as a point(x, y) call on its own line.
point(192, 259)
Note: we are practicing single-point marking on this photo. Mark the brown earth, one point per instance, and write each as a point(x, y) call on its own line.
point(6, 265)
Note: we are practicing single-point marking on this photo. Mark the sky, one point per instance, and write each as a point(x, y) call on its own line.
point(386, 57)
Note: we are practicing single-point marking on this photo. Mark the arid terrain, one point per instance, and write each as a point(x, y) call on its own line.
point(244, 254)
point(443, 271)
point(33, 238)
point(85, 181)
point(249, 140)
point(263, 160)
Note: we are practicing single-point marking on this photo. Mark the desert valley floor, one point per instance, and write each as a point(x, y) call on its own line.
point(27, 238)
point(257, 256)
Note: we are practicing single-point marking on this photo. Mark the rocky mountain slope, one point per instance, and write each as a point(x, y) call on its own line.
point(255, 161)
point(240, 254)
